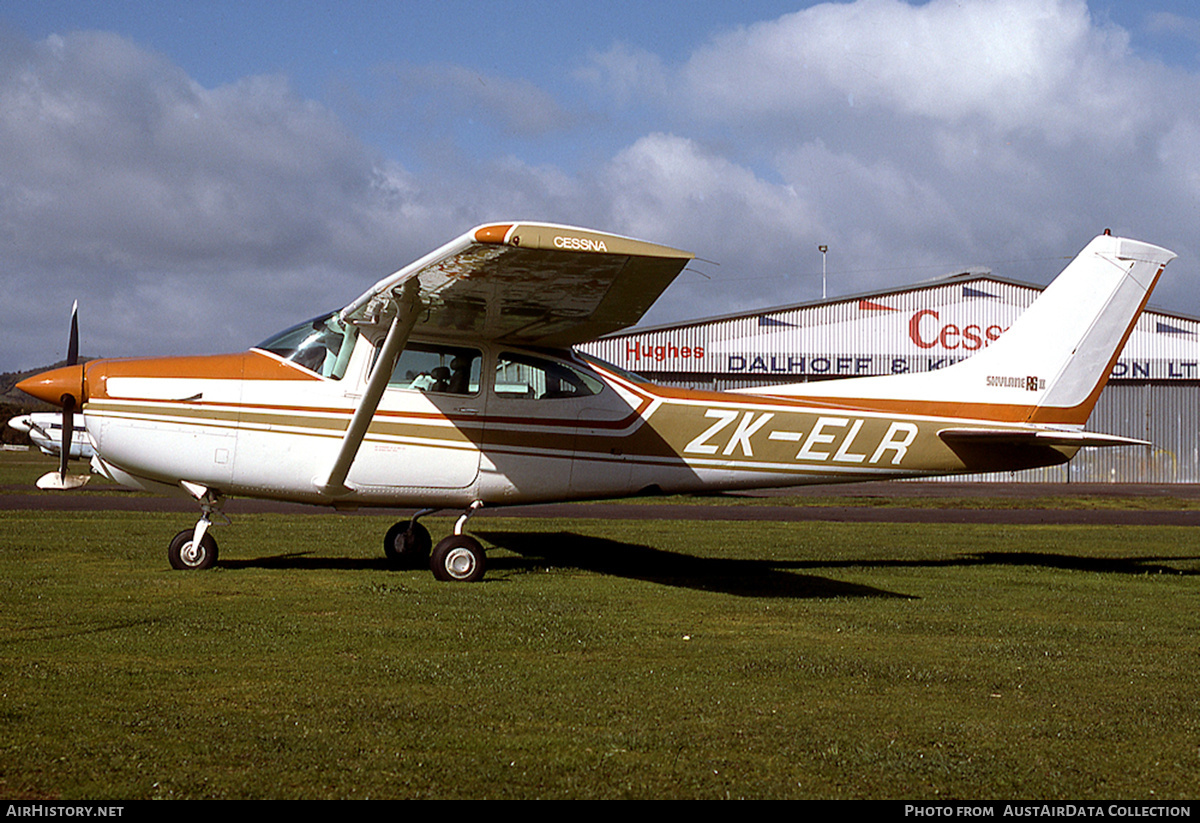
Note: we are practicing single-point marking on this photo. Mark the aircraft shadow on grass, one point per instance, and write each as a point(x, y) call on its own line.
point(1136, 565)
point(773, 578)
point(567, 550)
point(743, 578)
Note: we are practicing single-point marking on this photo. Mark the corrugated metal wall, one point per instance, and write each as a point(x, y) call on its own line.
point(1168, 415)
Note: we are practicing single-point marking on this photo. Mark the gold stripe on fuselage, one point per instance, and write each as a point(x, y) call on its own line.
point(782, 440)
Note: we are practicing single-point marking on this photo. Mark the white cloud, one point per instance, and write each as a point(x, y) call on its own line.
point(210, 215)
point(1020, 66)
point(675, 191)
point(627, 73)
point(190, 220)
point(112, 154)
point(668, 185)
point(966, 131)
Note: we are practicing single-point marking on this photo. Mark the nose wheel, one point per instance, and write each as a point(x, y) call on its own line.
point(195, 548)
point(186, 554)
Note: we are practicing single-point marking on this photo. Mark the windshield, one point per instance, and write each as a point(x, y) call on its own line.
point(322, 345)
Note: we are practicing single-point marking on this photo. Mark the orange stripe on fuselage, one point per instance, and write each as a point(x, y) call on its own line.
point(993, 412)
point(250, 365)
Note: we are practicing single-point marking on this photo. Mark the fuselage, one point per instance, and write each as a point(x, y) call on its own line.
point(484, 422)
point(468, 415)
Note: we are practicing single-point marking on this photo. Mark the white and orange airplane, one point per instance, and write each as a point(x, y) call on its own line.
point(45, 432)
point(452, 384)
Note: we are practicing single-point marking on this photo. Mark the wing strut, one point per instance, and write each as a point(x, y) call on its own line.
point(407, 310)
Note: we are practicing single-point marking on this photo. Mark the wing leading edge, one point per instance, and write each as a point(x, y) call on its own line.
point(530, 283)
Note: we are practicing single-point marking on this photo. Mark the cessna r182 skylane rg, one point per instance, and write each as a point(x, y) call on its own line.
point(451, 384)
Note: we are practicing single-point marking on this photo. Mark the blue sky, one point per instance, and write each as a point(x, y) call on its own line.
point(199, 175)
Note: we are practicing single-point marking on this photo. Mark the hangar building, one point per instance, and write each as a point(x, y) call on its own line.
point(1151, 395)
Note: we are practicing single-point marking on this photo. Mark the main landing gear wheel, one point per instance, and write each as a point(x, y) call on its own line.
point(407, 545)
point(458, 558)
point(184, 554)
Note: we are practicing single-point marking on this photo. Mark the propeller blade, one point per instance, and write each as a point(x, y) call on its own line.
point(68, 418)
point(73, 342)
point(68, 400)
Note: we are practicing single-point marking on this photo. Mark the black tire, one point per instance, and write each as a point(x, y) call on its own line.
point(182, 557)
point(458, 559)
point(407, 548)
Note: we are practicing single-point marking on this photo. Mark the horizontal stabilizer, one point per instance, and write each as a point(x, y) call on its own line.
point(1028, 437)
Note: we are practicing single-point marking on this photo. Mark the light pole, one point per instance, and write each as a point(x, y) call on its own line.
point(822, 249)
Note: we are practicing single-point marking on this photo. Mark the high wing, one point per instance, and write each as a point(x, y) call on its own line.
point(529, 283)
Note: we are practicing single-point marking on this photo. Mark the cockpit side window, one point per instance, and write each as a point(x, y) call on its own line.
point(431, 367)
point(322, 345)
point(525, 377)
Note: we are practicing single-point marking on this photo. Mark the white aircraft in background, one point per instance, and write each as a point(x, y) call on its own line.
point(45, 430)
point(452, 384)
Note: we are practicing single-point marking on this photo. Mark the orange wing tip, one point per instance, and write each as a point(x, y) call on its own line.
point(492, 234)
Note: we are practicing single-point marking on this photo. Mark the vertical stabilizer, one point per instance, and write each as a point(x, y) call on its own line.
point(1051, 364)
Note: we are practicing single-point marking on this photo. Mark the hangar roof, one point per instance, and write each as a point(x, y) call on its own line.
point(918, 327)
point(968, 276)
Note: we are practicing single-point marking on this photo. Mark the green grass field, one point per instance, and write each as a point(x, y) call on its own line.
point(623, 659)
